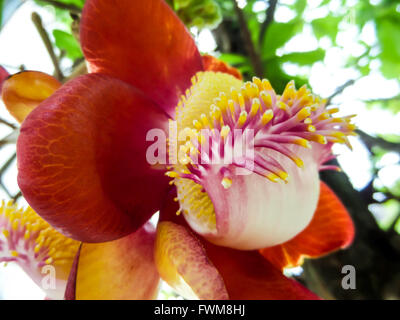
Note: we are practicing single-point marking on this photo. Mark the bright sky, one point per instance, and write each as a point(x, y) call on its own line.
point(20, 44)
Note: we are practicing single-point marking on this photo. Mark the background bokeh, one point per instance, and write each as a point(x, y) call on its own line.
point(347, 51)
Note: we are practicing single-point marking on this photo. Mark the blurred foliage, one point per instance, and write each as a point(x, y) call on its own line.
point(197, 13)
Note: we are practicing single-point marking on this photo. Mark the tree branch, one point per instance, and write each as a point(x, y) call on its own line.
point(246, 35)
point(371, 142)
point(340, 89)
point(268, 19)
point(49, 46)
point(8, 124)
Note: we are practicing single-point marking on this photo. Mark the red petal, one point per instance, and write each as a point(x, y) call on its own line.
point(330, 229)
point(248, 276)
point(70, 290)
point(143, 43)
point(24, 91)
point(213, 64)
point(118, 270)
point(3, 76)
point(82, 163)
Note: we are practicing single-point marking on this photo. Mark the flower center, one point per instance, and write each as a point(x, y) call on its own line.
point(27, 239)
point(228, 128)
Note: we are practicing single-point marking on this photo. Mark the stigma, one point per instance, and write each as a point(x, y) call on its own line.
point(230, 130)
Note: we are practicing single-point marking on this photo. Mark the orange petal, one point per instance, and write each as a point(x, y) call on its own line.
point(24, 91)
point(118, 270)
point(181, 259)
point(213, 64)
point(183, 264)
point(330, 229)
point(143, 43)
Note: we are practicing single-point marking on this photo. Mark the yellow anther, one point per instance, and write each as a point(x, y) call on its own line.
point(49, 261)
point(6, 233)
point(258, 83)
point(304, 113)
point(255, 107)
point(303, 142)
point(311, 128)
point(319, 138)
point(283, 175)
point(223, 99)
point(302, 91)
point(225, 131)
point(197, 124)
point(308, 121)
point(266, 98)
point(338, 134)
point(172, 174)
point(14, 253)
point(241, 101)
point(266, 85)
point(289, 91)
point(231, 105)
point(226, 182)
point(351, 127)
point(215, 113)
point(272, 177)
point(27, 235)
point(267, 117)
point(252, 90)
point(204, 120)
point(298, 162)
point(314, 107)
point(235, 95)
point(242, 118)
point(15, 224)
point(324, 116)
point(283, 106)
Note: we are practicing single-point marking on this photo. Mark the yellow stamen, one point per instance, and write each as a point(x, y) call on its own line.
point(242, 118)
point(267, 117)
point(304, 113)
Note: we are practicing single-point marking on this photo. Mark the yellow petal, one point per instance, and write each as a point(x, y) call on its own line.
point(24, 91)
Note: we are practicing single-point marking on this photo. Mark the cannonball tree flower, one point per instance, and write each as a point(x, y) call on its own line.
point(228, 225)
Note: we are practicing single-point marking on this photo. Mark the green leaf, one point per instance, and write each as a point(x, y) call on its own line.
point(277, 35)
point(66, 41)
point(233, 59)
point(279, 79)
point(78, 3)
point(304, 58)
point(299, 6)
point(389, 38)
point(328, 26)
